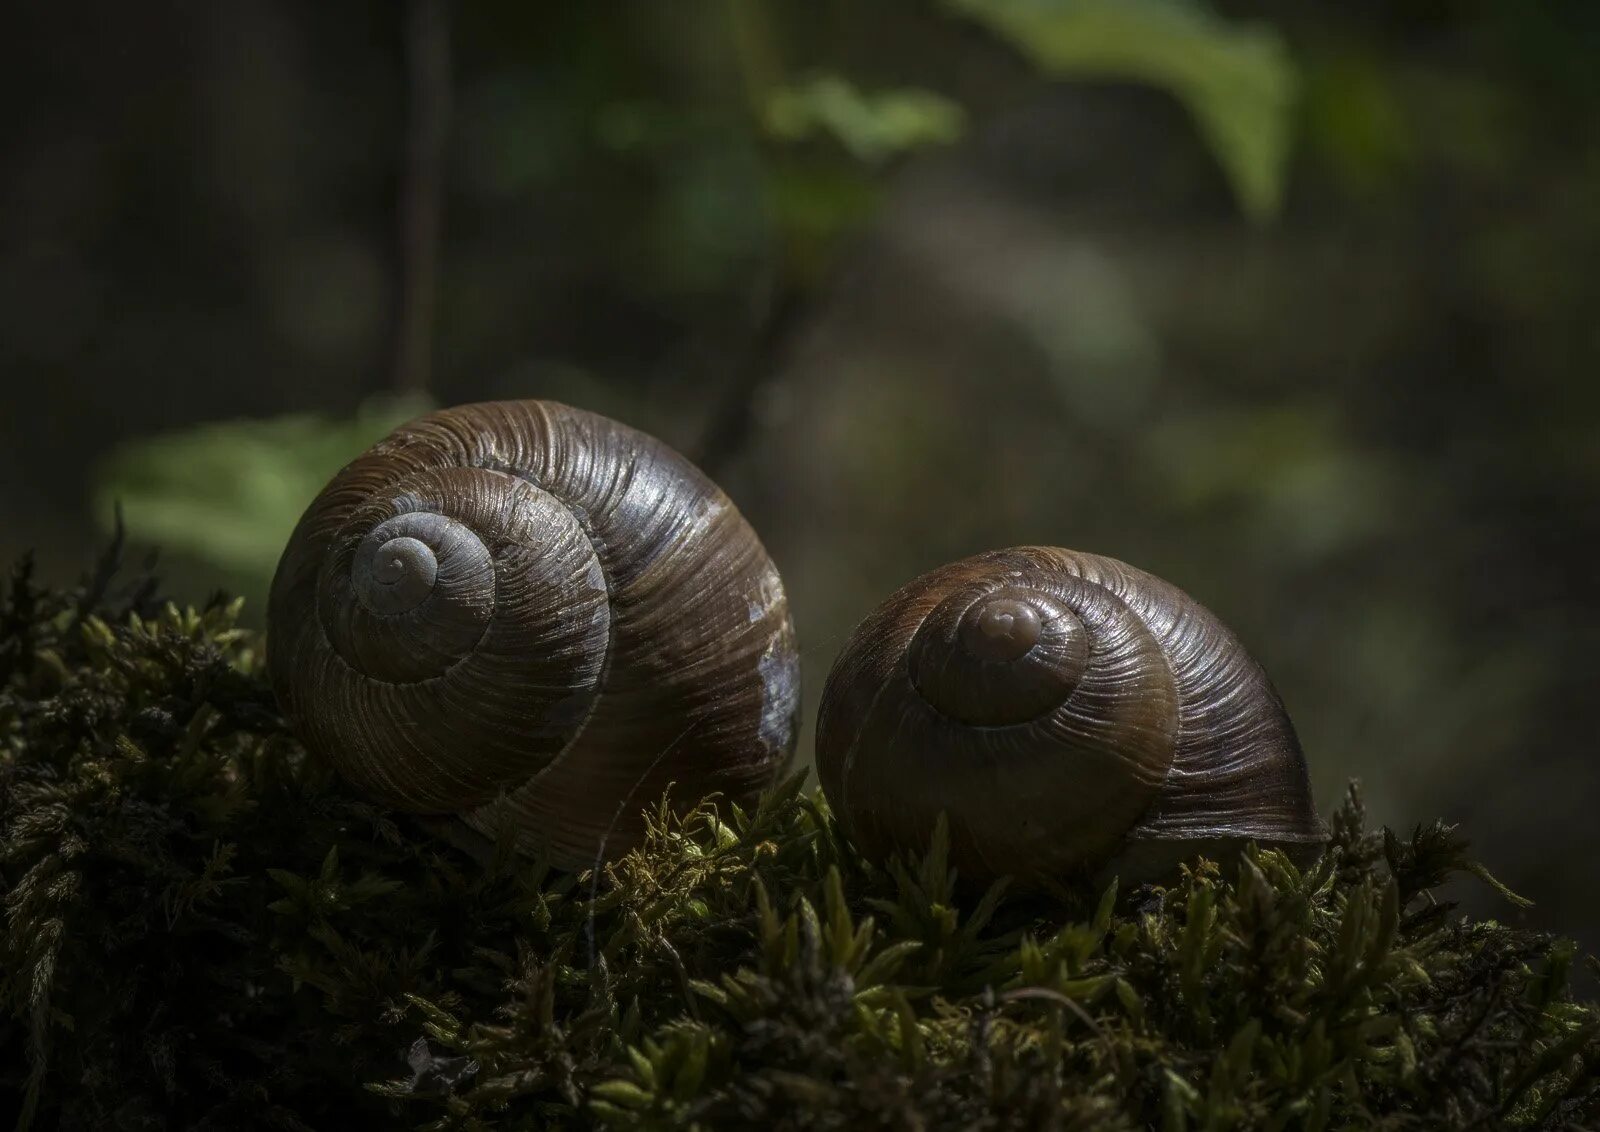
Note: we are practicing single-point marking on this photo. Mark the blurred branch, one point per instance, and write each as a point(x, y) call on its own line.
point(760, 69)
point(733, 418)
point(427, 52)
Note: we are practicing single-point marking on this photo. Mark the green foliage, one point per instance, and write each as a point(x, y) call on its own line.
point(231, 491)
point(872, 127)
point(203, 928)
point(1237, 80)
point(1357, 122)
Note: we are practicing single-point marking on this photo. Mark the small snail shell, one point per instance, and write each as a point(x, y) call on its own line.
point(1068, 713)
point(524, 608)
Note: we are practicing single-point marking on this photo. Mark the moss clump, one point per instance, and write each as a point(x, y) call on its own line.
point(205, 929)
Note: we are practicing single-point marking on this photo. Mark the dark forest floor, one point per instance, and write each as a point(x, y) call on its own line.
point(205, 929)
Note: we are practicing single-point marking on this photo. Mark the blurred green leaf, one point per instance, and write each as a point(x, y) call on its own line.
point(1292, 470)
point(231, 491)
point(711, 222)
point(872, 127)
point(1236, 79)
point(814, 204)
point(1356, 121)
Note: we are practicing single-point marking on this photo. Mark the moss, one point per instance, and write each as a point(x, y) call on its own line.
point(204, 928)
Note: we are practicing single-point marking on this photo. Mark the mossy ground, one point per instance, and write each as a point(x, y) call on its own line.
point(205, 929)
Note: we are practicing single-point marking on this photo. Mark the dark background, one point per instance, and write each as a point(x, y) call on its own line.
point(1360, 427)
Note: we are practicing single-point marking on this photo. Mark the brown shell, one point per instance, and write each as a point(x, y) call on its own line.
point(521, 606)
point(1067, 712)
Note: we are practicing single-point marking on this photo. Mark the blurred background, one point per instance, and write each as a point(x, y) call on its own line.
point(1294, 305)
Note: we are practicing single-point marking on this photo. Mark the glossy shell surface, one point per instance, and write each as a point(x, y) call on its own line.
point(524, 610)
point(1063, 710)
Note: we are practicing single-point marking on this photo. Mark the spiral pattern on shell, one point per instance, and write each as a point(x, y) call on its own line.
point(523, 610)
point(1062, 710)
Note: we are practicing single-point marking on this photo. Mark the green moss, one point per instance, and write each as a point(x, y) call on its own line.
point(203, 928)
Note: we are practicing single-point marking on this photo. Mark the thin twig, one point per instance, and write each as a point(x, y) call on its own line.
point(1057, 997)
point(733, 417)
point(427, 51)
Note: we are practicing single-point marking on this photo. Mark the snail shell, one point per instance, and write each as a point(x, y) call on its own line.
point(523, 609)
point(1068, 713)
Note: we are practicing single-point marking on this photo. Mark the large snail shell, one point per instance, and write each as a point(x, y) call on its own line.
point(524, 607)
point(1068, 713)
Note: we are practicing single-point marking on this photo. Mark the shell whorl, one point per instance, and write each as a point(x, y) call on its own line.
point(1057, 707)
point(522, 610)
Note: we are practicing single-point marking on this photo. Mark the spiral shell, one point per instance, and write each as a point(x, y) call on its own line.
point(520, 609)
point(1066, 712)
